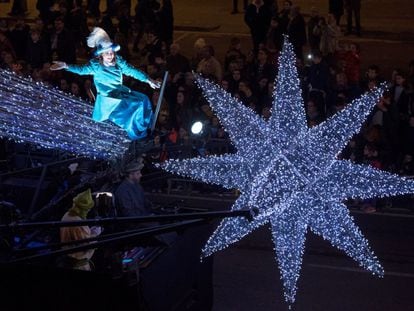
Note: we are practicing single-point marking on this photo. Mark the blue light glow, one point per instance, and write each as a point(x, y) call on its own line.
point(127, 260)
point(291, 174)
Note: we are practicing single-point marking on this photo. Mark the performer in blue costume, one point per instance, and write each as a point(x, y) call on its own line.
point(128, 109)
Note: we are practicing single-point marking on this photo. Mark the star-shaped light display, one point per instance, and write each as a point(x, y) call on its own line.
point(291, 173)
point(36, 113)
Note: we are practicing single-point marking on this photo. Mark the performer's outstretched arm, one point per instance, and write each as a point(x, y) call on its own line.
point(86, 69)
point(131, 71)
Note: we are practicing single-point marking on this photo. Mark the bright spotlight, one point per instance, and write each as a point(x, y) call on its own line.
point(197, 127)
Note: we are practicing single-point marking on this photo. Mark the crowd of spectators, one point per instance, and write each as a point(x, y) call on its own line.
point(330, 75)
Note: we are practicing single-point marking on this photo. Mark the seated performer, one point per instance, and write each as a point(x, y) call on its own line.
point(128, 109)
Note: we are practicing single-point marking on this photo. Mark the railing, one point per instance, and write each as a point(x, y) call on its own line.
point(43, 170)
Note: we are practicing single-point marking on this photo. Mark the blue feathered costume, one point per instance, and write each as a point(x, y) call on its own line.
point(128, 109)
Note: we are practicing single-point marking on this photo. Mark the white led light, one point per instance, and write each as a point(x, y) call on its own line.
point(36, 113)
point(291, 173)
point(197, 127)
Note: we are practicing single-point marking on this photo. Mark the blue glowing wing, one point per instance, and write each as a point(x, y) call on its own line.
point(36, 113)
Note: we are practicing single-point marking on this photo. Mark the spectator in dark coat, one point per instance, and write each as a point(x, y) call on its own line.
point(410, 77)
point(247, 96)
point(273, 6)
point(385, 117)
point(371, 75)
point(336, 8)
point(37, 51)
point(19, 7)
point(353, 7)
point(62, 42)
point(18, 36)
point(77, 24)
point(234, 54)
point(153, 47)
point(108, 25)
point(166, 18)
point(140, 19)
point(297, 31)
point(401, 96)
point(274, 37)
point(124, 21)
point(129, 196)
point(313, 36)
point(235, 6)
point(176, 62)
point(257, 18)
point(261, 67)
point(284, 15)
point(318, 74)
point(130, 200)
point(44, 8)
point(6, 45)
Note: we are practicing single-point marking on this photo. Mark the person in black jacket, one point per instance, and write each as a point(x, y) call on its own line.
point(297, 31)
point(166, 18)
point(353, 7)
point(77, 24)
point(18, 37)
point(62, 42)
point(284, 15)
point(177, 63)
point(336, 8)
point(37, 51)
point(129, 196)
point(44, 7)
point(235, 6)
point(257, 17)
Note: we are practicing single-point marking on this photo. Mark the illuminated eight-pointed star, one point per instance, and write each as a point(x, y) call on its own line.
point(291, 173)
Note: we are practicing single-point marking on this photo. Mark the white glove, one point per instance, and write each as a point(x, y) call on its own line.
point(154, 84)
point(58, 65)
point(96, 230)
point(72, 167)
